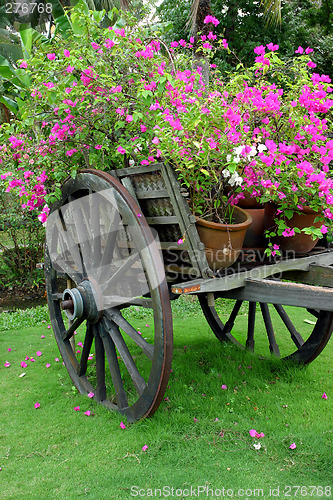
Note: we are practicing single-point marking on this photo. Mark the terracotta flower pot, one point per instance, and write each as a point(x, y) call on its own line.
point(300, 243)
point(223, 242)
point(255, 235)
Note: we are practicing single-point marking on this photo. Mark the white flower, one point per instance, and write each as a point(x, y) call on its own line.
point(253, 151)
point(238, 181)
point(131, 163)
point(238, 150)
point(228, 158)
point(226, 173)
point(261, 148)
point(235, 179)
point(256, 446)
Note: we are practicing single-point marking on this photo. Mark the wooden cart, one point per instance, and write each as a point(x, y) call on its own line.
point(102, 239)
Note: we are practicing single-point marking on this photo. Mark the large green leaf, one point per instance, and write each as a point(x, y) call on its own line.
point(63, 25)
point(9, 103)
point(26, 40)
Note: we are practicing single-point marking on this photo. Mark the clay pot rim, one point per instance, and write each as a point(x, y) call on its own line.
point(230, 227)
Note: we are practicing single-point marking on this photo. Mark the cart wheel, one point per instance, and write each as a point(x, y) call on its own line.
point(97, 238)
point(270, 328)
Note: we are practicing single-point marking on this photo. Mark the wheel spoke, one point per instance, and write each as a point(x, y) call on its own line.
point(115, 316)
point(96, 230)
point(100, 394)
point(83, 235)
point(119, 274)
point(137, 378)
point(70, 246)
point(314, 312)
point(67, 334)
point(82, 368)
point(273, 347)
point(250, 326)
point(111, 356)
point(230, 323)
point(295, 336)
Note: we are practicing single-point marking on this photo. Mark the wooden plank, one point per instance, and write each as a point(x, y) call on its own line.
point(151, 194)
point(164, 219)
point(126, 182)
point(284, 293)
point(142, 169)
point(316, 275)
point(279, 269)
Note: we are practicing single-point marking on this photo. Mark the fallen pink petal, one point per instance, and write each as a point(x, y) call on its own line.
point(90, 395)
point(47, 365)
point(224, 387)
point(324, 396)
point(88, 413)
point(48, 326)
point(195, 419)
point(144, 448)
point(42, 336)
point(38, 353)
point(76, 408)
point(56, 360)
point(27, 358)
point(9, 349)
point(32, 359)
point(37, 405)
point(122, 425)
point(292, 446)
point(147, 326)
point(80, 344)
point(23, 364)
point(7, 364)
point(252, 433)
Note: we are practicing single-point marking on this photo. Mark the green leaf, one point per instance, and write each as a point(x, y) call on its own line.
point(26, 40)
point(11, 105)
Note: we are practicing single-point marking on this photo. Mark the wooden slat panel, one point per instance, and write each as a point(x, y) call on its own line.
point(316, 275)
point(153, 193)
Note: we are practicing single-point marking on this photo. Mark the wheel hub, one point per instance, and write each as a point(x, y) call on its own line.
point(84, 300)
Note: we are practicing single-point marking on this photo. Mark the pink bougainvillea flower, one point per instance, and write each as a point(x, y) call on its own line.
point(23, 364)
point(224, 387)
point(7, 364)
point(324, 396)
point(24, 64)
point(88, 413)
point(78, 352)
point(9, 349)
point(56, 360)
point(121, 150)
point(90, 357)
point(37, 405)
point(300, 50)
point(252, 433)
point(180, 241)
point(42, 336)
point(47, 365)
point(32, 359)
point(80, 344)
point(90, 394)
point(211, 19)
point(66, 53)
point(259, 435)
point(70, 69)
point(144, 448)
point(51, 56)
point(292, 446)
point(272, 47)
point(195, 419)
point(48, 326)
point(122, 425)
point(76, 408)
point(39, 353)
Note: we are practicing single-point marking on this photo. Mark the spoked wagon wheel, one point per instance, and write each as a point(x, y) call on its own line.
point(98, 239)
point(289, 333)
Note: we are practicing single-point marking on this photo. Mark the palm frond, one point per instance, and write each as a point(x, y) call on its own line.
point(272, 11)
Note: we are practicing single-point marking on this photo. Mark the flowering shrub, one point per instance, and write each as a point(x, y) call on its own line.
point(109, 96)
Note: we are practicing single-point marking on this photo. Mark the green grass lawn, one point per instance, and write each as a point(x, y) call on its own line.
point(198, 438)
